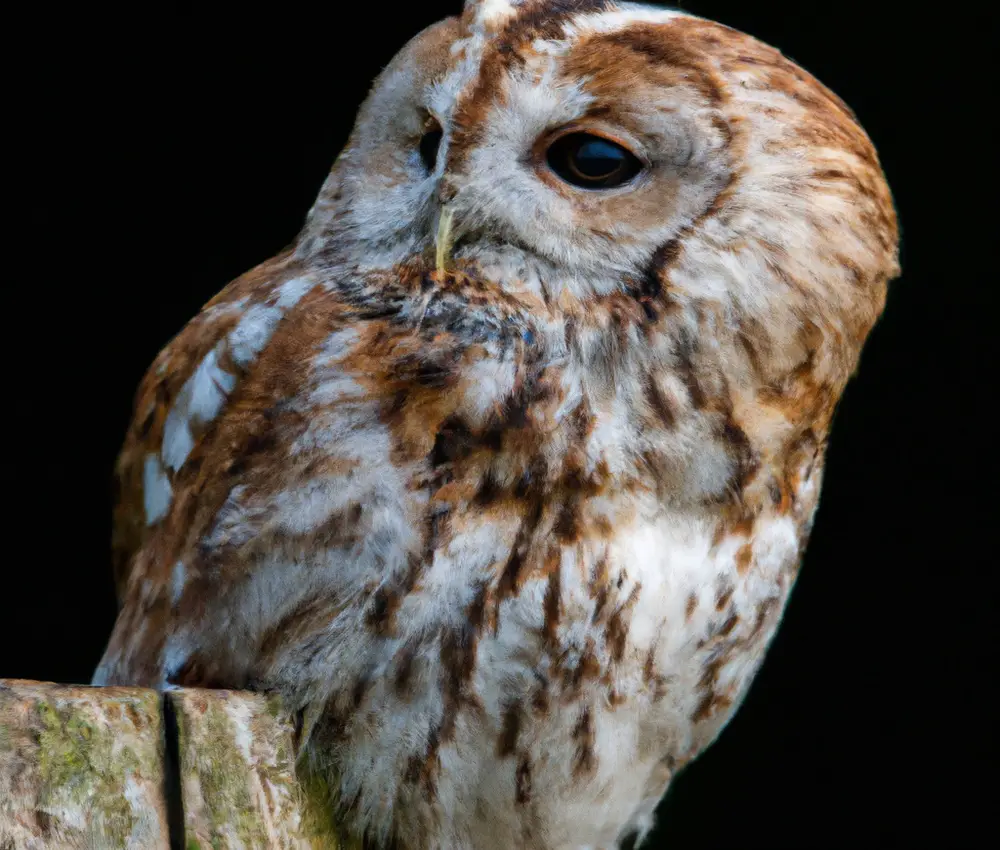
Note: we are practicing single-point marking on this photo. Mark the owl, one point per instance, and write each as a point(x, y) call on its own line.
point(501, 474)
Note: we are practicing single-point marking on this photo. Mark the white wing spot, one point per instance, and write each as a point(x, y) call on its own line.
point(177, 439)
point(178, 579)
point(210, 386)
point(253, 332)
point(156, 490)
point(205, 392)
point(291, 291)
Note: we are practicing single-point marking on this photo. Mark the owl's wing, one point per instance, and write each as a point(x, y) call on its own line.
point(177, 402)
point(292, 454)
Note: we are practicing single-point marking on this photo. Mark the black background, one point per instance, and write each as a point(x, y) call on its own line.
point(161, 153)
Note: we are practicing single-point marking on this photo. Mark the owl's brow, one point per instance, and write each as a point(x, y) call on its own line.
point(545, 19)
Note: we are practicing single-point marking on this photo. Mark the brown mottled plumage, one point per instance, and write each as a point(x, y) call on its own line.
point(502, 477)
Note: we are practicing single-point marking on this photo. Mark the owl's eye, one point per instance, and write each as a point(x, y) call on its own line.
point(429, 144)
point(592, 162)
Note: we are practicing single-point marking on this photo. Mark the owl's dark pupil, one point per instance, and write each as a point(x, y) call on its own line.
point(592, 162)
point(597, 158)
point(429, 144)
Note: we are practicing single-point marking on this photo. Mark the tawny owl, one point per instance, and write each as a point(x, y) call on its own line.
point(501, 474)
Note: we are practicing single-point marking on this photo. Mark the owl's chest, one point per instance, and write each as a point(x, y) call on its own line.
point(571, 692)
point(534, 648)
point(662, 617)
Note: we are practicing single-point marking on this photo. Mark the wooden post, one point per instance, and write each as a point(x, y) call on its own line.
point(81, 767)
point(97, 768)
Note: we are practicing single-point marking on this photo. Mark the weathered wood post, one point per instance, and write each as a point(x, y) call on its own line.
point(97, 768)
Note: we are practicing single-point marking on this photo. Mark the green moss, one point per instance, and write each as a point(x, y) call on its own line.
point(193, 844)
point(275, 707)
point(79, 765)
point(222, 773)
point(319, 805)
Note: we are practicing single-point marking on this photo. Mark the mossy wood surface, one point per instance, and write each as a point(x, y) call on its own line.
point(238, 777)
point(81, 767)
point(85, 767)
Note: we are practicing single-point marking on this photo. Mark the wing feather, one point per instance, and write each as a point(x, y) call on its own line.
point(180, 397)
point(297, 438)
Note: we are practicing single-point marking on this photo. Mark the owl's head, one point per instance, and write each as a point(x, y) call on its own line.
point(581, 149)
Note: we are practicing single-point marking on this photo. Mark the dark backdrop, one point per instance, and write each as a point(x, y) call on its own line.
point(162, 153)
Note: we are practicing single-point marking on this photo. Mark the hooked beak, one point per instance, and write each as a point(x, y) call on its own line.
point(445, 239)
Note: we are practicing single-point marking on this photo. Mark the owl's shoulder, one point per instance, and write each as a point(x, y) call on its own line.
point(185, 392)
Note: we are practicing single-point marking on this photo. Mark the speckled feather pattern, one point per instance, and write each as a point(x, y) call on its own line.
point(512, 535)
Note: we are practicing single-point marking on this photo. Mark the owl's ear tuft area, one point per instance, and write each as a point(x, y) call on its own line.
point(489, 9)
point(490, 14)
point(491, 17)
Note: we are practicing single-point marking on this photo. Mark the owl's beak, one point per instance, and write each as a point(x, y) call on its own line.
point(444, 239)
